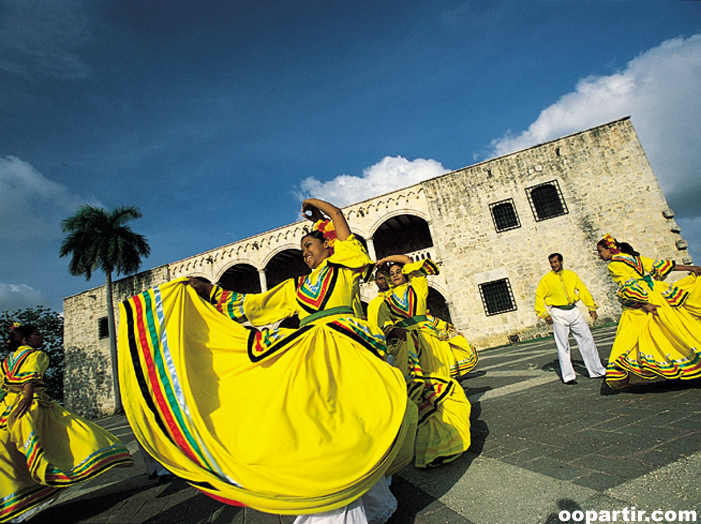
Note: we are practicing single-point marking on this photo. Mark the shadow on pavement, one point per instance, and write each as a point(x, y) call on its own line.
point(416, 505)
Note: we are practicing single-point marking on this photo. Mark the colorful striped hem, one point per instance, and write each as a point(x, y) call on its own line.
point(648, 368)
point(16, 504)
point(102, 460)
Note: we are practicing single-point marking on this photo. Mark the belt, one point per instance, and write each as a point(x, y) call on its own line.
point(340, 310)
point(411, 321)
point(567, 307)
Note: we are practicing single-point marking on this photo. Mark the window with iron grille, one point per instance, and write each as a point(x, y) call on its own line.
point(546, 201)
point(504, 215)
point(103, 328)
point(497, 297)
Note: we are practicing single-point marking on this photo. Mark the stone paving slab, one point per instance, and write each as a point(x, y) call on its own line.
point(539, 448)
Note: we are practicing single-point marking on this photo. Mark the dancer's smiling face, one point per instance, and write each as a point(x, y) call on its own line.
point(314, 251)
point(396, 276)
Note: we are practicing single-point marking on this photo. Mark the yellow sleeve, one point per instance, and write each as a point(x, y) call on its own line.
point(350, 253)
point(417, 272)
point(620, 272)
point(31, 369)
point(540, 295)
point(423, 268)
point(374, 311)
point(258, 308)
point(273, 305)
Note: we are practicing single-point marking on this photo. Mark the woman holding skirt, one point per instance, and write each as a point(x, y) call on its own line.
point(44, 448)
point(431, 356)
point(659, 333)
point(304, 421)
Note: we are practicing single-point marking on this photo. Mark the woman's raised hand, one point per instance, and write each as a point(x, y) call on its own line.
point(310, 211)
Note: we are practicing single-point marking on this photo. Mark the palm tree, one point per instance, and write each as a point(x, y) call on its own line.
point(99, 239)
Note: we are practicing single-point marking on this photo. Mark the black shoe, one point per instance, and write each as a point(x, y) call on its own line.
point(571, 383)
point(162, 479)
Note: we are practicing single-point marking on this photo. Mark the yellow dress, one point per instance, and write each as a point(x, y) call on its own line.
point(664, 344)
point(430, 359)
point(282, 420)
point(48, 448)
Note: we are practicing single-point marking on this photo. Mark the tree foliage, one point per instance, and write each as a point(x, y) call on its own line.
point(50, 324)
point(99, 239)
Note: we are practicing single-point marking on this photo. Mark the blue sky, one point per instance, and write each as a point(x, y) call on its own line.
point(213, 117)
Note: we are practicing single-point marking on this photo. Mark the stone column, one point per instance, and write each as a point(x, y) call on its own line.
point(371, 248)
point(263, 280)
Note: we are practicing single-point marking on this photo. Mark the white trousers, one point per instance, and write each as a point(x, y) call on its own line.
point(564, 321)
point(375, 507)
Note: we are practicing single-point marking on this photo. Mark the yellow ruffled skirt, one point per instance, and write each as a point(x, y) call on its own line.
point(664, 344)
point(309, 428)
point(443, 431)
point(48, 449)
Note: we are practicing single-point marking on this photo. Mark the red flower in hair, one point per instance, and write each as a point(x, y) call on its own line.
point(611, 244)
point(327, 229)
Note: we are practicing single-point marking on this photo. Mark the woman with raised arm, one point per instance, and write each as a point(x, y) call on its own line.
point(304, 421)
point(44, 447)
point(430, 355)
point(659, 333)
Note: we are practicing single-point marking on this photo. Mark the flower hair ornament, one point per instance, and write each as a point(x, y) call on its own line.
point(326, 228)
point(611, 244)
point(14, 326)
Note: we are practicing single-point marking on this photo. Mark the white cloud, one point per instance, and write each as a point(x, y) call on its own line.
point(389, 174)
point(19, 296)
point(660, 90)
point(31, 205)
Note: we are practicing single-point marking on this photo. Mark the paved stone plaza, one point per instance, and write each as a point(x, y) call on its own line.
point(539, 447)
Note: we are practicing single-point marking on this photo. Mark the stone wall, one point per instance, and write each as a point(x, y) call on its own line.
point(608, 187)
point(605, 184)
point(87, 377)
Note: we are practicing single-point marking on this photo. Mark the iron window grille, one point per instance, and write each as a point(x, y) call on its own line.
point(504, 215)
point(546, 201)
point(497, 297)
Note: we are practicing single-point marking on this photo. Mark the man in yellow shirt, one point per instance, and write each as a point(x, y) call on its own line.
point(560, 290)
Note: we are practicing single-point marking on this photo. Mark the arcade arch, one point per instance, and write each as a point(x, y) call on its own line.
point(402, 234)
point(242, 278)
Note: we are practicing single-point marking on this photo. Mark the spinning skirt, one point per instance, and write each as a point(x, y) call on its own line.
point(308, 428)
point(48, 449)
point(665, 344)
point(443, 431)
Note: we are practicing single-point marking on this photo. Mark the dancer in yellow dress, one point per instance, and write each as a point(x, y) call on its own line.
point(303, 421)
point(431, 356)
point(44, 447)
point(659, 333)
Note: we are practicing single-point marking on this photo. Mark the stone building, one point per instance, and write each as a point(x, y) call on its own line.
point(489, 227)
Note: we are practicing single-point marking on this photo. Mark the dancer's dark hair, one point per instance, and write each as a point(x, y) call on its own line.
point(17, 334)
point(623, 247)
